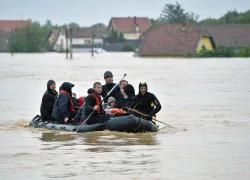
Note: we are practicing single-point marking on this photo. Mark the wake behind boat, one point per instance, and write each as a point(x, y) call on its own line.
point(130, 124)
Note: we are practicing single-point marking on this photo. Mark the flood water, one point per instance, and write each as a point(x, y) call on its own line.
point(207, 100)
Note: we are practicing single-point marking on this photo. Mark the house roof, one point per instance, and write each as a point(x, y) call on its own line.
point(171, 39)
point(231, 35)
point(54, 36)
point(128, 24)
point(9, 25)
point(87, 32)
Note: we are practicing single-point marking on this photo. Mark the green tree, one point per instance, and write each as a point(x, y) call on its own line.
point(174, 13)
point(32, 38)
point(73, 25)
point(115, 37)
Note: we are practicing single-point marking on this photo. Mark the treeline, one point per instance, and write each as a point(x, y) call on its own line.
point(175, 13)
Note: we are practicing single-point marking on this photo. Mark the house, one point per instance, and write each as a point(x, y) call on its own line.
point(81, 38)
point(6, 29)
point(131, 27)
point(230, 35)
point(10, 25)
point(174, 40)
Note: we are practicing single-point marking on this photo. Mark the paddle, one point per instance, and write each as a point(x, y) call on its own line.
point(138, 112)
point(100, 103)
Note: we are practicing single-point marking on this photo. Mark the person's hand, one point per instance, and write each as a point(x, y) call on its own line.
point(96, 108)
point(66, 120)
point(149, 117)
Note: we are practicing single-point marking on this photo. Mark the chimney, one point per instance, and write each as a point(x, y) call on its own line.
point(135, 21)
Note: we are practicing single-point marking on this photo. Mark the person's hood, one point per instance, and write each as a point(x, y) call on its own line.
point(129, 90)
point(143, 84)
point(90, 90)
point(49, 83)
point(67, 86)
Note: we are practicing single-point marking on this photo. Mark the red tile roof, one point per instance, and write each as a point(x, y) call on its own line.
point(171, 39)
point(128, 24)
point(9, 25)
point(234, 35)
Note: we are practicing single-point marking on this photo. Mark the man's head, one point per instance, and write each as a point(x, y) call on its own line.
point(51, 85)
point(97, 86)
point(123, 83)
point(108, 76)
point(143, 88)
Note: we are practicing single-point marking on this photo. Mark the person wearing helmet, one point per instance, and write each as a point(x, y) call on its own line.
point(146, 102)
point(108, 76)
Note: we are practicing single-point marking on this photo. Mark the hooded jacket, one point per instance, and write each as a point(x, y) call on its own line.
point(130, 92)
point(147, 103)
point(63, 107)
point(48, 100)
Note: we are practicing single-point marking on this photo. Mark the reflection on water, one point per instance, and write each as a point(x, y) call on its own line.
point(101, 141)
point(49, 137)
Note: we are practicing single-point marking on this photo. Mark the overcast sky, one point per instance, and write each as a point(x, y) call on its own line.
point(89, 12)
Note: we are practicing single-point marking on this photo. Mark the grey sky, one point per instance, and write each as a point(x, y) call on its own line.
point(88, 12)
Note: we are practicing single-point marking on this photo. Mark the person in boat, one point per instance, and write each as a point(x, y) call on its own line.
point(128, 93)
point(146, 102)
point(81, 100)
point(119, 96)
point(92, 104)
point(63, 110)
point(75, 101)
point(48, 100)
point(108, 77)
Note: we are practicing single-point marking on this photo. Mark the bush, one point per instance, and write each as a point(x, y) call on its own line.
point(127, 47)
point(243, 52)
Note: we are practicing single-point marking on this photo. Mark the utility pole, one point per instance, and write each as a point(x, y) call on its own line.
point(92, 44)
point(71, 50)
point(66, 34)
point(12, 42)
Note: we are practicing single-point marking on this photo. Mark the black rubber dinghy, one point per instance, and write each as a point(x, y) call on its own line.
point(131, 124)
point(37, 122)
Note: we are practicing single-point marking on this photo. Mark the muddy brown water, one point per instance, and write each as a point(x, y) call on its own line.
point(207, 100)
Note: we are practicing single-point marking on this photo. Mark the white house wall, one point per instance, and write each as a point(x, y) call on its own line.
point(61, 41)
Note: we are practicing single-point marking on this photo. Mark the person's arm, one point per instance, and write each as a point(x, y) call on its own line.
point(157, 106)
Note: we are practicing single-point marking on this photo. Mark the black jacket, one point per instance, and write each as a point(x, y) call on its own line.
point(48, 100)
point(88, 106)
point(106, 88)
point(62, 107)
point(147, 104)
point(130, 92)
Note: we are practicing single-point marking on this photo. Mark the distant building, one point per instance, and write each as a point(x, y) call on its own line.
point(230, 35)
point(131, 27)
point(81, 38)
point(174, 40)
point(11, 25)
